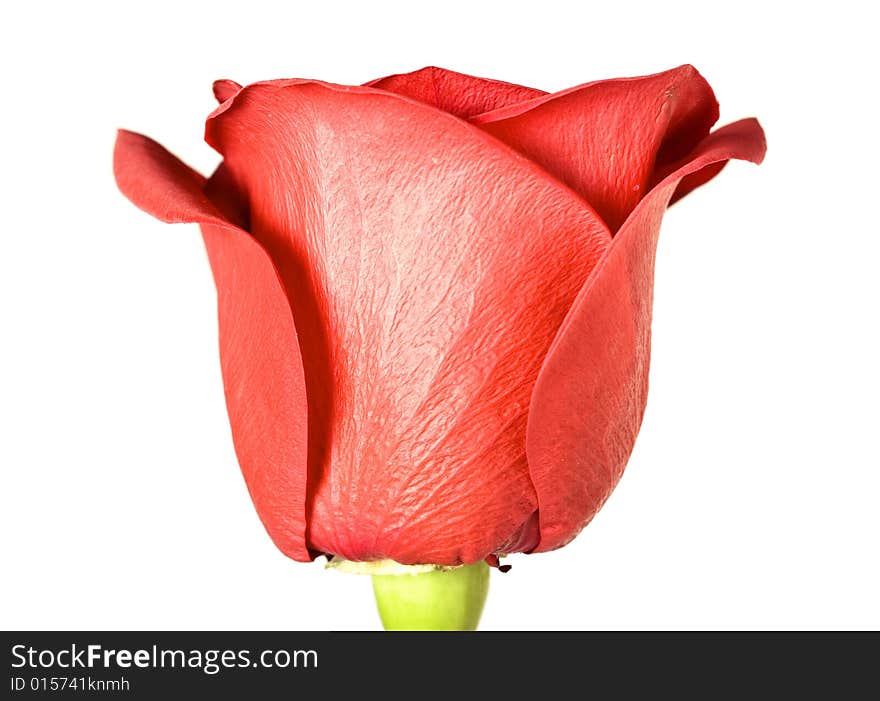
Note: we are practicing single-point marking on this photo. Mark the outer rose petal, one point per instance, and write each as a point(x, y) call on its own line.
point(605, 139)
point(457, 93)
point(259, 351)
point(224, 89)
point(590, 396)
point(429, 268)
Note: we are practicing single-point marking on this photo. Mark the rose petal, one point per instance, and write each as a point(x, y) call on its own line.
point(259, 351)
point(429, 267)
point(224, 89)
point(159, 183)
point(604, 139)
point(457, 93)
point(588, 402)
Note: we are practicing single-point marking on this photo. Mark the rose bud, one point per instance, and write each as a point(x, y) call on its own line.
point(434, 299)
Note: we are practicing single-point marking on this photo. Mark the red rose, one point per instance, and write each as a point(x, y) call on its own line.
point(435, 296)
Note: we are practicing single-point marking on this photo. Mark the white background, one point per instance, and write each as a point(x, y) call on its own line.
point(751, 500)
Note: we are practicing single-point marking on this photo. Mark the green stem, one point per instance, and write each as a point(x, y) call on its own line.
point(440, 599)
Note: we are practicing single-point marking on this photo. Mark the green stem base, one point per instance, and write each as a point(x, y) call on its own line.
point(441, 599)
